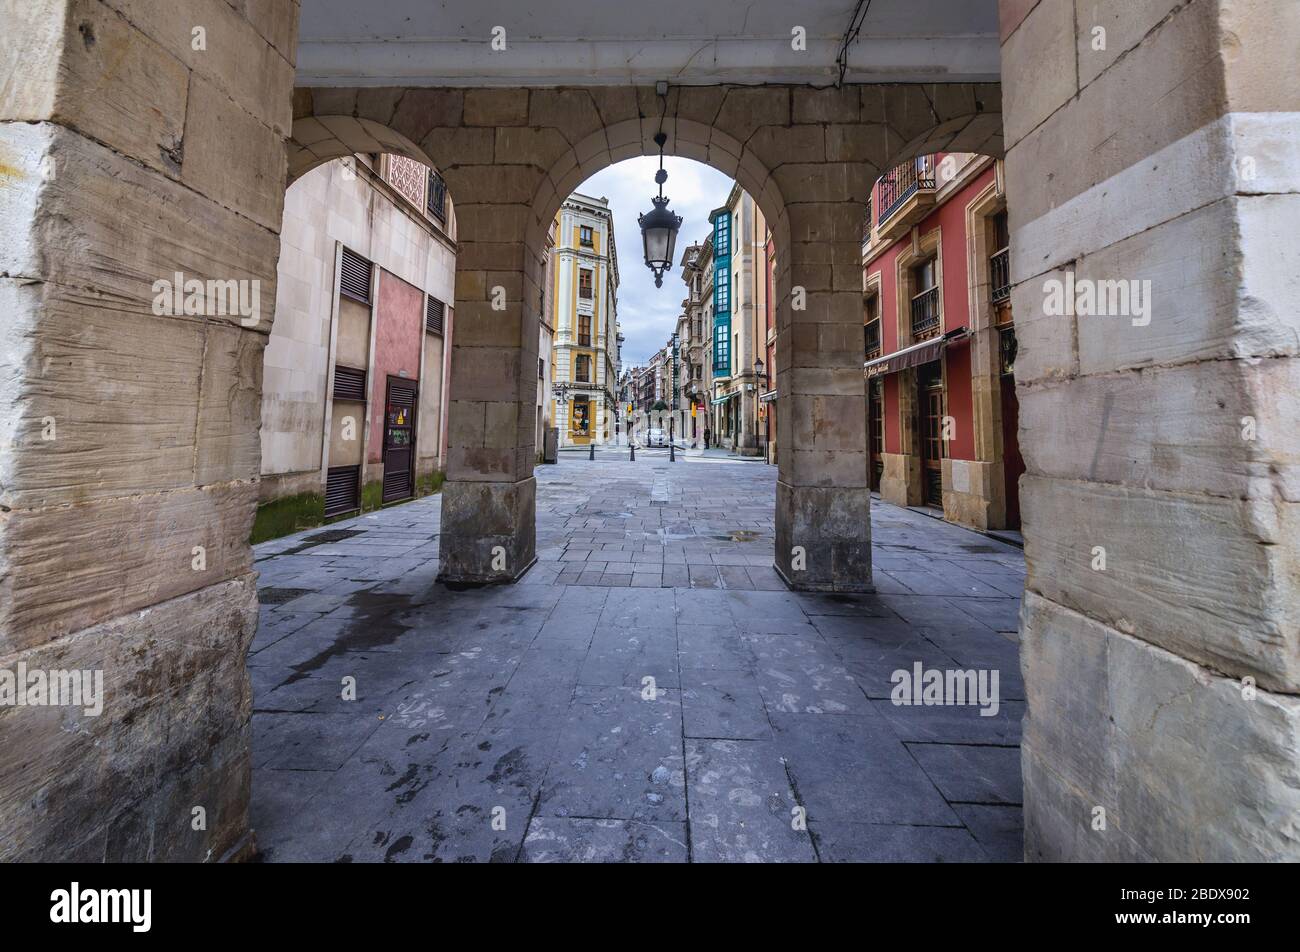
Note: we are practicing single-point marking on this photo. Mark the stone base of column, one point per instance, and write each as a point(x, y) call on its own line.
point(823, 538)
point(489, 533)
point(1133, 754)
point(173, 734)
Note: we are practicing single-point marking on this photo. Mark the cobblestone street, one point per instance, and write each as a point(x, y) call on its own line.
point(520, 722)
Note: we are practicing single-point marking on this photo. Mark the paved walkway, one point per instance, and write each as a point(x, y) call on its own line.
point(649, 691)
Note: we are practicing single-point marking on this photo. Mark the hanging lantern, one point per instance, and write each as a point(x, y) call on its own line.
point(659, 225)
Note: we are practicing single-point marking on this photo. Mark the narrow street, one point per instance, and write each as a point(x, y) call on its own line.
point(519, 723)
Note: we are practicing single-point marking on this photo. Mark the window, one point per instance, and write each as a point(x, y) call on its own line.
point(584, 330)
point(585, 237)
point(582, 369)
point(722, 233)
point(1001, 232)
point(923, 275)
point(585, 284)
point(437, 203)
point(925, 301)
point(722, 347)
point(722, 293)
point(354, 277)
point(541, 368)
point(434, 312)
point(1000, 260)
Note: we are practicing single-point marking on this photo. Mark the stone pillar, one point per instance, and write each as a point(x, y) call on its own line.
point(1155, 142)
point(489, 501)
point(129, 453)
point(823, 518)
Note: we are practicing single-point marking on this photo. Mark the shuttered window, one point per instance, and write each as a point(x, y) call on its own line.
point(433, 315)
point(349, 383)
point(354, 278)
point(342, 489)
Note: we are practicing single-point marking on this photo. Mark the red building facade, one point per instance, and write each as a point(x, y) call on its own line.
point(939, 341)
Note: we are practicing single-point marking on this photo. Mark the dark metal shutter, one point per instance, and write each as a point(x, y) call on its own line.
point(349, 383)
point(354, 277)
point(401, 393)
point(433, 315)
point(342, 489)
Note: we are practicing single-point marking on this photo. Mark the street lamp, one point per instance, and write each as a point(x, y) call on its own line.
point(659, 225)
point(760, 373)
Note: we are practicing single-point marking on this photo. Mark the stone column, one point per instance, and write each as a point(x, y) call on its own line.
point(823, 518)
point(1155, 143)
point(489, 500)
point(142, 142)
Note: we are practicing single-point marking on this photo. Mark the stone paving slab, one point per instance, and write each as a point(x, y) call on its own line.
point(648, 692)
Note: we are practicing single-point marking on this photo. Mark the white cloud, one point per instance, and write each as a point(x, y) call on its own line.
point(648, 315)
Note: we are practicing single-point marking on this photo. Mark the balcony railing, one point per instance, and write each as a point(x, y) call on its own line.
point(871, 338)
point(901, 183)
point(925, 313)
point(1000, 275)
point(584, 292)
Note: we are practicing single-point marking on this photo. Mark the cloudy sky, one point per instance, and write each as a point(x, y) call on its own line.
point(648, 315)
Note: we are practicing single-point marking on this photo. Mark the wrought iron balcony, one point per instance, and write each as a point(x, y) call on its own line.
point(925, 314)
point(906, 189)
point(901, 183)
point(871, 339)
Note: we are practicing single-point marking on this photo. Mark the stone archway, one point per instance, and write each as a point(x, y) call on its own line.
point(510, 157)
point(1162, 153)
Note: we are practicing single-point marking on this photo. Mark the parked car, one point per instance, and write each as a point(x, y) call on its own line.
point(656, 437)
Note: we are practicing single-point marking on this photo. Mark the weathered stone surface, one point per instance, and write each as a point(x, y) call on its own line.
point(235, 55)
point(1203, 576)
point(141, 113)
point(232, 158)
point(70, 567)
point(91, 213)
point(1045, 75)
point(1186, 766)
point(1176, 429)
point(172, 736)
point(1166, 81)
point(488, 531)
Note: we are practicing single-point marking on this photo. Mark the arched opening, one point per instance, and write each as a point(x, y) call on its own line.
point(354, 375)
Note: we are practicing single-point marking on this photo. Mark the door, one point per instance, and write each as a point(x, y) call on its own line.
point(876, 430)
point(580, 424)
point(399, 440)
point(930, 382)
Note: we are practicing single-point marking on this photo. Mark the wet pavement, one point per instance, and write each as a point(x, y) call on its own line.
point(650, 691)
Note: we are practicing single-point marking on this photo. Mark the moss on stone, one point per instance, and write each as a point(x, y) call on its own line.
point(281, 517)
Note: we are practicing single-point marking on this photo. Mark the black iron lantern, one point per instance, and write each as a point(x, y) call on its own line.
point(659, 225)
point(759, 368)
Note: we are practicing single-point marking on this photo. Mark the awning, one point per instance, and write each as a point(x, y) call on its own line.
point(725, 397)
point(913, 356)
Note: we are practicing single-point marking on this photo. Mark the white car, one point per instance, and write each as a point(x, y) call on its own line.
point(655, 437)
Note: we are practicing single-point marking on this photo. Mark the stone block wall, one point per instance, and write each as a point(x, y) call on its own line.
point(145, 140)
point(1161, 627)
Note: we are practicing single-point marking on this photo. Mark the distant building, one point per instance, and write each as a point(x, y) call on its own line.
point(585, 350)
point(739, 334)
point(940, 342)
point(354, 394)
